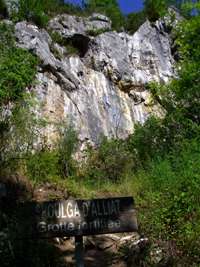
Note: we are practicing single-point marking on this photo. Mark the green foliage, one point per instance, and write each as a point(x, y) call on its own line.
point(17, 72)
point(3, 9)
point(39, 12)
point(190, 8)
point(163, 171)
point(159, 164)
point(170, 182)
point(19, 131)
point(108, 7)
point(17, 67)
point(42, 166)
point(67, 146)
point(109, 162)
point(67, 43)
point(96, 32)
point(188, 39)
point(51, 165)
point(155, 9)
point(57, 38)
point(173, 186)
point(32, 10)
point(181, 97)
point(134, 21)
point(148, 140)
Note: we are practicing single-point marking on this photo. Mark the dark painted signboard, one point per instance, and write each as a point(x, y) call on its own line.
point(76, 217)
point(3, 191)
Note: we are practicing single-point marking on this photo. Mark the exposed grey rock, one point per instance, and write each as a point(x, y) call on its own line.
point(127, 249)
point(68, 25)
point(99, 17)
point(132, 60)
point(39, 41)
point(101, 91)
point(11, 4)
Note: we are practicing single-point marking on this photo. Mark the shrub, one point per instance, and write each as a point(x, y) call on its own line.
point(148, 140)
point(39, 12)
point(109, 8)
point(67, 146)
point(110, 161)
point(19, 131)
point(171, 198)
point(50, 165)
point(42, 166)
point(96, 32)
point(3, 9)
point(134, 21)
point(31, 10)
point(17, 72)
point(17, 67)
point(67, 43)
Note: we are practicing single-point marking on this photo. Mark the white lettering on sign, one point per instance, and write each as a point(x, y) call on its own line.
point(98, 224)
point(70, 209)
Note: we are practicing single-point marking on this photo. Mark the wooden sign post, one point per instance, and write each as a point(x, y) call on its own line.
point(76, 218)
point(3, 191)
point(79, 251)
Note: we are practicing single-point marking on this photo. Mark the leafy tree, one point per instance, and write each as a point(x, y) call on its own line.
point(17, 71)
point(17, 67)
point(134, 21)
point(189, 9)
point(3, 9)
point(154, 8)
point(107, 7)
point(39, 12)
point(67, 146)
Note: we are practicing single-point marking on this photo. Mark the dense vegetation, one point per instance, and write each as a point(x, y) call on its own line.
point(40, 12)
point(159, 164)
point(17, 72)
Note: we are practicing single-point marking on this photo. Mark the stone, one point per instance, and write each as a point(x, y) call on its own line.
point(102, 89)
point(68, 25)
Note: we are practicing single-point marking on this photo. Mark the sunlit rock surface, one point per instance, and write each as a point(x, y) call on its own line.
point(102, 89)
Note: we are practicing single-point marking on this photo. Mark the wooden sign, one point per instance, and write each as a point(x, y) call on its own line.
point(76, 217)
point(3, 191)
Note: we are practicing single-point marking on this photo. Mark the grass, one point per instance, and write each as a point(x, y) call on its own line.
point(96, 32)
point(67, 43)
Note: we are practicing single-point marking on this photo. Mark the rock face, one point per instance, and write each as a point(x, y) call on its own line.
point(68, 26)
point(102, 89)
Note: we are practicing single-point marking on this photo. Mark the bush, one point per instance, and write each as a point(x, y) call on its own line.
point(39, 12)
point(67, 146)
point(109, 8)
point(3, 9)
point(17, 71)
point(42, 166)
point(19, 131)
point(155, 9)
point(134, 21)
point(171, 196)
point(67, 43)
point(148, 141)
point(97, 32)
point(110, 161)
point(47, 165)
point(17, 67)
point(31, 10)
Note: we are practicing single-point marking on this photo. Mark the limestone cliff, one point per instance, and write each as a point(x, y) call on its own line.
point(101, 89)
